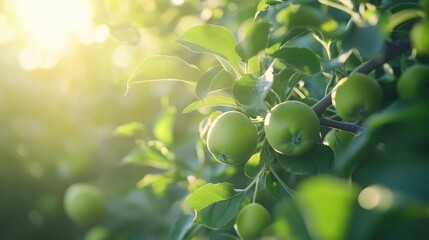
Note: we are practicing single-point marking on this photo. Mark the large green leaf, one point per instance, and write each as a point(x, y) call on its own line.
point(303, 59)
point(326, 204)
point(317, 160)
point(212, 39)
point(410, 115)
point(222, 213)
point(255, 40)
point(368, 40)
point(215, 80)
point(211, 102)
point(164, 68)
point(209, 194)
point(181, 227)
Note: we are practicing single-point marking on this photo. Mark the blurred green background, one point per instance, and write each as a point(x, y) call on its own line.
point(64, 67)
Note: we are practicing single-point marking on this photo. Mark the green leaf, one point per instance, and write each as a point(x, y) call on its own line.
point(355, 153)
point(301, 58)
point(158, 182)
point(220, 214)
point(181, 227)
point(253, 166)
point(300, 15)
point(317, 160)
point(272, 185)
point(215, 235)
point(251, 92)
point(211, 102)
point(310, 17)
point(337, 63)
point(216, 79)
point(316, 85)
point(131, 129)
point(289, 223)
point(367, 40)
point(326, 204)
point(281, 82)
point(150, 153)
point(255, 40)
point(164, 68)
point(163, 129)
point(212, 39)
point(209, 194)
point(262, 5)
point(360, 148)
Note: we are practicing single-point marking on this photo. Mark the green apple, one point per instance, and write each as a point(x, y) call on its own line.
point(292, 128)
point(356, 97)
point(232, 138)
point(414, 82)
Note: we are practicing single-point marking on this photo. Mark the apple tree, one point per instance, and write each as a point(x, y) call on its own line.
point(312, 123)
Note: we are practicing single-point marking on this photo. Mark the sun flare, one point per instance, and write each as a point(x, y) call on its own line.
point(49, 26)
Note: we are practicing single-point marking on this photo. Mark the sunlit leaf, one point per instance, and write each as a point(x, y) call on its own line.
point(301, 58)
point(164, 68)
point(150, 153)
point(214, 80)
point(255, 40)
point(220, 214)
point(263, 4)
point(157, 182)
point(208, 194)
point(163, 129)
point(211, 102)
point(326, 204)
point(131, 129)
point(253, 166)
point(212, 39)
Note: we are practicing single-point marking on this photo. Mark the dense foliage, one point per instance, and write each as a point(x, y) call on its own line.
point(304, 119)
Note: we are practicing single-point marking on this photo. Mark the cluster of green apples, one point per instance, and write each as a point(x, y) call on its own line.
point(292, 127)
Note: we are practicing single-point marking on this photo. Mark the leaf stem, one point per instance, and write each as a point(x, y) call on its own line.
point(254, 181)
point(289, 190)
point(391, 51)
point(255, 193)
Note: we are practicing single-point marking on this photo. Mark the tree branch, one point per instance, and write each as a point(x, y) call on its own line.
point(350, 127)
point(391, 51)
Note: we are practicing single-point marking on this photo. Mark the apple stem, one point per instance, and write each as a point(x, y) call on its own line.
point(391, 51)
point(350, 127)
